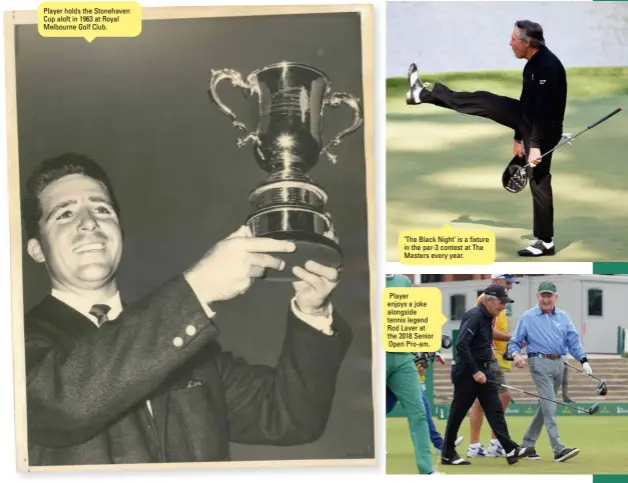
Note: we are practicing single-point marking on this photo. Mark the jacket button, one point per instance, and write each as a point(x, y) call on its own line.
point(190, 330)
point(178, 341)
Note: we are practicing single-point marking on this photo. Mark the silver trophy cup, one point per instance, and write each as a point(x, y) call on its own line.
point(288, 143)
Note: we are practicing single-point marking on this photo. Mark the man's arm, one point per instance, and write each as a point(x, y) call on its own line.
point(468, 328)
point(519, 336)
point(501, 336)
point(573, 342)
point(73, 394)
point(518, 136)
point(289, 404)
point(547, 81)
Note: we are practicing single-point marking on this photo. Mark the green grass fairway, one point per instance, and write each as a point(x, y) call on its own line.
point(601, 440)
point(445, 168)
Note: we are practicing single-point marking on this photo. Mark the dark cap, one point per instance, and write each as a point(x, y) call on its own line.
point(547, 287)
point(499, 292)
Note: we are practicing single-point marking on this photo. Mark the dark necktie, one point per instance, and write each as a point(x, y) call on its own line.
point(100, 311)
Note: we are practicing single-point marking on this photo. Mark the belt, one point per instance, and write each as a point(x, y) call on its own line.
point(545, 356)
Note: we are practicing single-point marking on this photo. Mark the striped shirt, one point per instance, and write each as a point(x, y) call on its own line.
point(546, 334)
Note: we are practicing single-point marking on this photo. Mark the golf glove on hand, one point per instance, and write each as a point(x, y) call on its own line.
point(587, 369)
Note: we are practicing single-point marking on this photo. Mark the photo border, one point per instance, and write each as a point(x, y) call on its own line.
point(28, 17)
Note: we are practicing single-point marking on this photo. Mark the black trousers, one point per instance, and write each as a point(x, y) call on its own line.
point(466, 391)
point(507, 112)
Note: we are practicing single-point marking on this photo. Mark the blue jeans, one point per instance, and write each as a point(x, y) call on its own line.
point(435, 437)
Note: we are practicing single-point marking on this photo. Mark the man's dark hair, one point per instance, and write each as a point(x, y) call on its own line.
point(51, 170)
point(532, 32)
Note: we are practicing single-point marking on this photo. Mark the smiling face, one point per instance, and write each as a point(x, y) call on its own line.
point(547, 301)
point(80, 238)
point(494, 306)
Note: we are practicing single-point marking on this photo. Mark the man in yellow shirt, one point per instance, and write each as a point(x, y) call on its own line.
point(498, 368)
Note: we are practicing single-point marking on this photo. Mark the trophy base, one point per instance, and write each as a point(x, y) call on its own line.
point(309, 246)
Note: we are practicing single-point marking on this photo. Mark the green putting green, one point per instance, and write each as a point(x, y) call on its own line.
point(601, 441)
point(445, 168)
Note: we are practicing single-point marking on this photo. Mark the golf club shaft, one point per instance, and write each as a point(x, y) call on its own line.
point(546, 398)
point(590, 126)
point(580, 370)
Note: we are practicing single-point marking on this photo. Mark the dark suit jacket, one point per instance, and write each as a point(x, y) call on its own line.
point(87, 387)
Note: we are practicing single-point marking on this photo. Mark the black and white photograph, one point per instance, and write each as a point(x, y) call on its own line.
point(192, 240)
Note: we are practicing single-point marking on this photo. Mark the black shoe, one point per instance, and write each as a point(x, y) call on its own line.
point(566, 454)
point(454, 460)
point(518, 453)
point(415, 85)
point(534, 456)
point(538, 249)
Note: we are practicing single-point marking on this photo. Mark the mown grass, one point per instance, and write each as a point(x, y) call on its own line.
point(445, 168)
point(601, 440)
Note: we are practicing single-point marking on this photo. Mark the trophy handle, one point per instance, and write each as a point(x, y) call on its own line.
point(235, 77)
point(336, 99)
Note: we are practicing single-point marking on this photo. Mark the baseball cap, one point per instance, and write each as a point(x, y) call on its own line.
point(508, 278)
point(499, 292)
point(547, 287)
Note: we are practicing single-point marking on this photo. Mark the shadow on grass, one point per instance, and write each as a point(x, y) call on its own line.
point(461, 182)
point(571, 230)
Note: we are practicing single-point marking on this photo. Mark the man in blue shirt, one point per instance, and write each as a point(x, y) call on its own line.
point(548, 333)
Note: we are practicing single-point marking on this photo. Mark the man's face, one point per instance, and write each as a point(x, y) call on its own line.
point(495, 306)
point(547, 301)
point(502, 282)
point(519, 47)
point(80, 237)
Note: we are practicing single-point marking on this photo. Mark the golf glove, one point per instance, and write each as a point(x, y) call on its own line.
point(587, 369)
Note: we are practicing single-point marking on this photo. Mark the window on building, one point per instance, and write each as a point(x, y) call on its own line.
point(431, 278)
point(457, 306)
point(595, 302)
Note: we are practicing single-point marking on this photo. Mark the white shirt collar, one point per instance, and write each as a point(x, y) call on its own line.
point(83, 306)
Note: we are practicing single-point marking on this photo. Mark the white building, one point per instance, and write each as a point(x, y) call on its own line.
point(597, 304)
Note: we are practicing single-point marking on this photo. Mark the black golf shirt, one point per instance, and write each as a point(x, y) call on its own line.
point(474, 347)
point(543, 96)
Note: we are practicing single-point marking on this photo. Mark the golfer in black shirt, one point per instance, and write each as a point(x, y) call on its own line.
point(536, 118)
point(471, 377)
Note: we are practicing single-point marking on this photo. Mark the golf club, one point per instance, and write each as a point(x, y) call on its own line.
point(602, 390)
point(592, 410)
point(570, 138)
point(515, 177)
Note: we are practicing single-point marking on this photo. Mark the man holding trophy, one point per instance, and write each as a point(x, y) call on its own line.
point(109, 383)
point(287, 143)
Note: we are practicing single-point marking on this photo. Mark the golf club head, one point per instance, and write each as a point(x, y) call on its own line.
point(446, 342)
point(515, 176)
point(594, 409)
point(602, 390)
